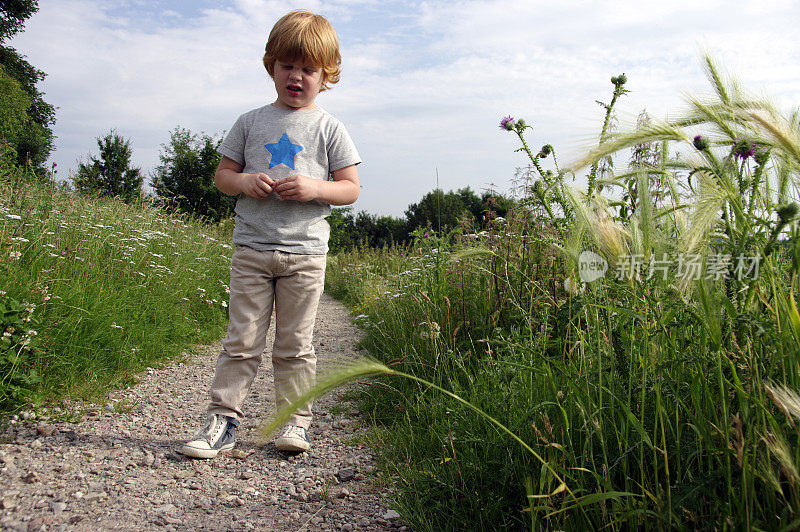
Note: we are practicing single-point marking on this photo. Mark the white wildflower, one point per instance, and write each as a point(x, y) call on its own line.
point(573, 287)
point(433, 330)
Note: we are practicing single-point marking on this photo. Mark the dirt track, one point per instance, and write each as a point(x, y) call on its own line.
point(118, 469)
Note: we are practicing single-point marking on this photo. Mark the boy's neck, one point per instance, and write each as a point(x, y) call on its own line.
point(278, 104)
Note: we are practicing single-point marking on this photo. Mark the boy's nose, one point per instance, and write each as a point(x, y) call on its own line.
point(295, 74)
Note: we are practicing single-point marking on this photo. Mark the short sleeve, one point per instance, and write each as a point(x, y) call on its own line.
point(234, 143)
point(341, 149)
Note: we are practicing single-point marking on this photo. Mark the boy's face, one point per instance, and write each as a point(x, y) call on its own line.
point(297, 84)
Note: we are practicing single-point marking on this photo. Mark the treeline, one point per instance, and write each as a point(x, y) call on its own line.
point(438, 211)
point(184, 181)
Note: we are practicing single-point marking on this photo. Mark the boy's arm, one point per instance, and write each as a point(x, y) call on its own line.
point(230, 180)
point(343, 190)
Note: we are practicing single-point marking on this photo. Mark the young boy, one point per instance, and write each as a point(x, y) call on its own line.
point(278, 159)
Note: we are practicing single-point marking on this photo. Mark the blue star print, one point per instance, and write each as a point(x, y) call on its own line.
point(283, 151)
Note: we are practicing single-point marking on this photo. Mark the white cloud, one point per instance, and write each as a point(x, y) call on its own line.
point(424, 84)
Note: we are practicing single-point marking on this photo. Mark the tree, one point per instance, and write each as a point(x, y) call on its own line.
point(185, 177)
point(494, 205)
point(342, 227)
point(364, 229)
point(390, 231)
point(36, 142)
point(13, 117)
point(443, 212)
point(13, 14)
point(110, 174)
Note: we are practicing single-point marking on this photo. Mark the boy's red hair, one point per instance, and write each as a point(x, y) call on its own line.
point(303, 34)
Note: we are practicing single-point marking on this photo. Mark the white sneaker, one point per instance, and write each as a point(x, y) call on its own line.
point(218, 434)
point(293, 438)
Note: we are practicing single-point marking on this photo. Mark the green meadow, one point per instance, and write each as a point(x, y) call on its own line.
point(94, 290)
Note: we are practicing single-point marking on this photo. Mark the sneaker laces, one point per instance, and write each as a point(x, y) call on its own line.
point(211, 430)
point(293, 431)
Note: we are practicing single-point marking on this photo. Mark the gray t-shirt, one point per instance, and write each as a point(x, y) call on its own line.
point(280, 143)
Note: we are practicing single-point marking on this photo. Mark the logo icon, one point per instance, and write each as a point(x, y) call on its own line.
point(591, 266)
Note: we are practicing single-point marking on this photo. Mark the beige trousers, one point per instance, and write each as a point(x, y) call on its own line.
point(259, 279)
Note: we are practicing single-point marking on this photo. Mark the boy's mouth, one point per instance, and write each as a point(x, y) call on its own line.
point(294, 88)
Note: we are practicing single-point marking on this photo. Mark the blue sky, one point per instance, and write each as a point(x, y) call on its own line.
point(424, 84)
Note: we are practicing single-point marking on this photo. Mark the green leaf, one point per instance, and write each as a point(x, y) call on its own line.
point(632, 418)
point(593, 498)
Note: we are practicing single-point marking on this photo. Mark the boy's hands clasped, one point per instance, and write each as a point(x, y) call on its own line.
point(297, 187)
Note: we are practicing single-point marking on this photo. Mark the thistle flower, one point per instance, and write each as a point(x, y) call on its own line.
point(546, 150)
point(619, 80)
point(744, 148)
point(700, 142)
point(507, 123)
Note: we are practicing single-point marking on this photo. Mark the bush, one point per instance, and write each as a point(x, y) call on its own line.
point(110, 174)
point(185, 177)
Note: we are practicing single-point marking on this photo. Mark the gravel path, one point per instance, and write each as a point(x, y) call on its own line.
point(118, 469)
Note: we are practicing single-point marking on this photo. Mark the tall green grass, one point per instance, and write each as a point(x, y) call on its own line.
point(94, 290)
point(659, 401)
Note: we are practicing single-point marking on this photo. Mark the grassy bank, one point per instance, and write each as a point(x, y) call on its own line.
point(663, 394)
point(94, 290)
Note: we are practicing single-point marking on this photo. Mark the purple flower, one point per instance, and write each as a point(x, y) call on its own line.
point(700, 142)
point(507, 123)
point(744, 148)
point(425, 235)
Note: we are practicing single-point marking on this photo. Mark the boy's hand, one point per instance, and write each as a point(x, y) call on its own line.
point(298, 188)
point(257, 186)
